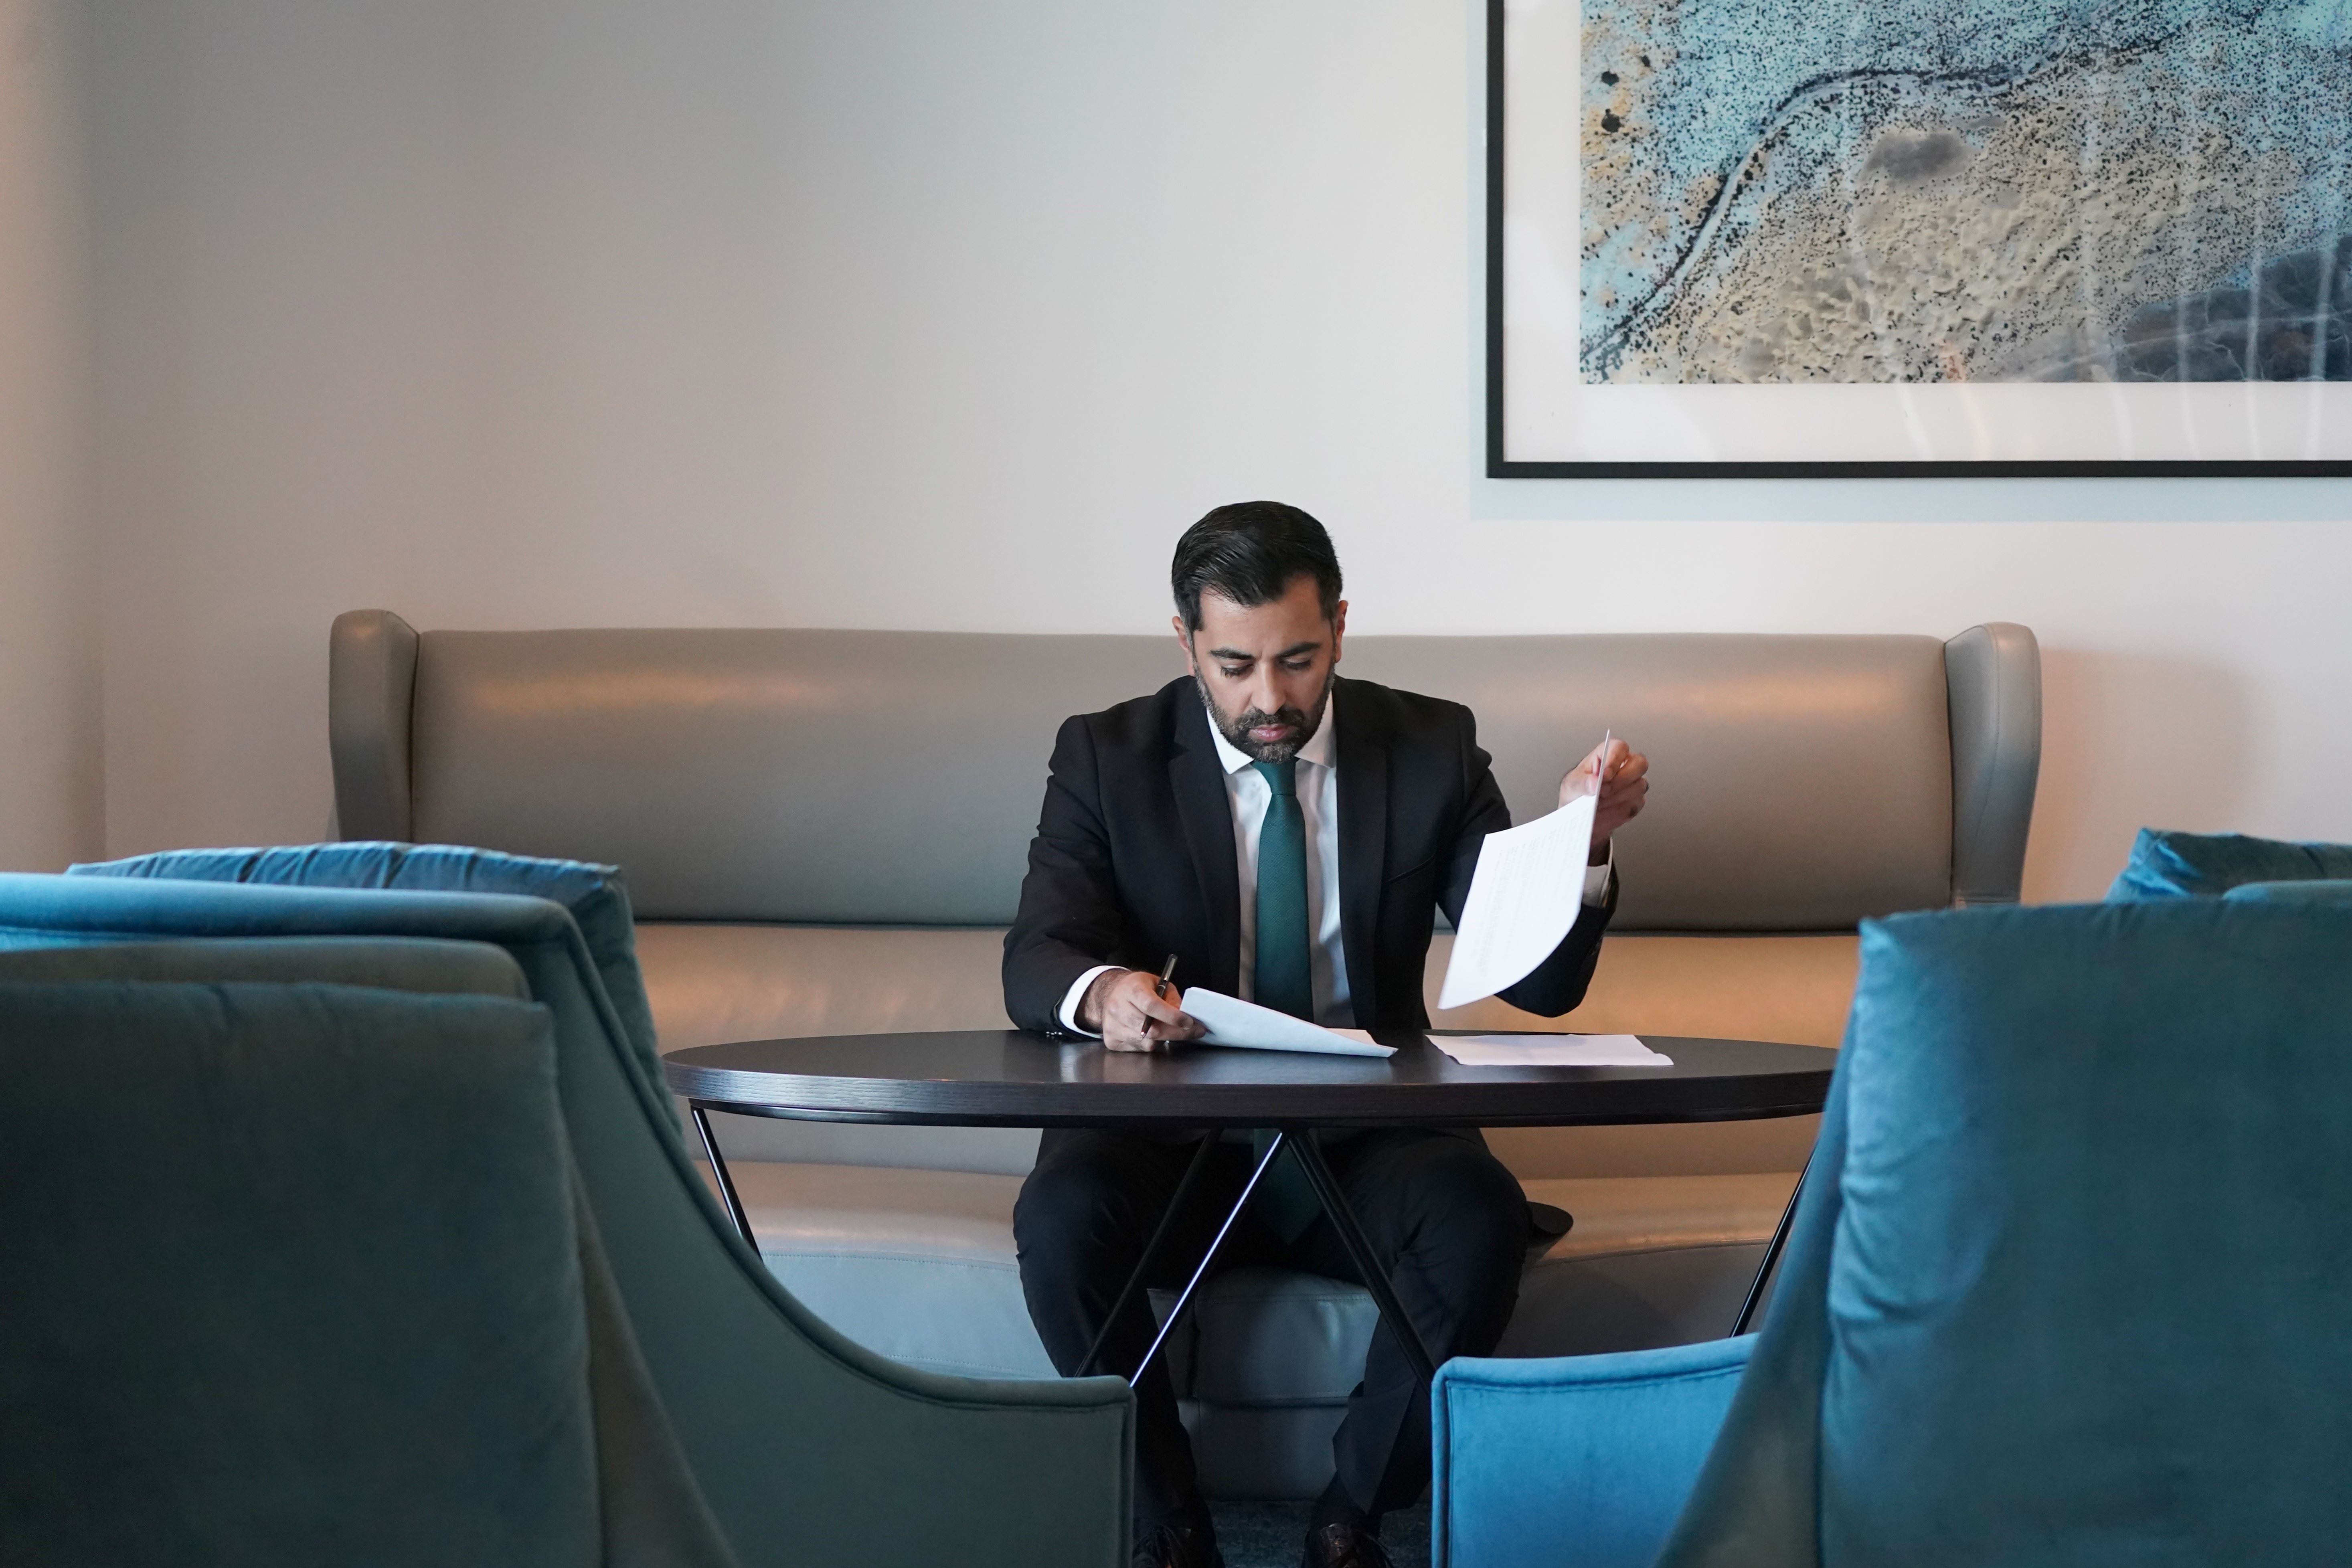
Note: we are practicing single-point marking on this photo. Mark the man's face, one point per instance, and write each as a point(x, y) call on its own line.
point(1265, 671)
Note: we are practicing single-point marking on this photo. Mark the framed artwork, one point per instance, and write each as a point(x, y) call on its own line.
point(1885, 237)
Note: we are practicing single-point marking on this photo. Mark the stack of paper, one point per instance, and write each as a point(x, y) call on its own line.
point(1233, 1022)
point(1550, 1051)
point(1262, 1028)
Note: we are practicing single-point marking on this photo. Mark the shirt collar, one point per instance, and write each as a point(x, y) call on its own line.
point(1319, 749)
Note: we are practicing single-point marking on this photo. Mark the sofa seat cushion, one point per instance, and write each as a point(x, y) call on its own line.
point(917, 1265)
point(1794, 988)
point(1619, 1216)
point(717, 983)
point(1652, 1260)
point(709, 985)
point(920, 1266)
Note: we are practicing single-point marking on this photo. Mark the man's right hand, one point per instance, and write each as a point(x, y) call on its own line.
point(1120, 1006)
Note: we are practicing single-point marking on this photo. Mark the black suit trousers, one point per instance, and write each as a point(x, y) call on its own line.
point(1443, 1214)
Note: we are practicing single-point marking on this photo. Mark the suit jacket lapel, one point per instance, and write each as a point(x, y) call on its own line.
point(1198, 779)
point(1363, 778)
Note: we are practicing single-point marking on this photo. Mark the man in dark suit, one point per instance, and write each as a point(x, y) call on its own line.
point(1288, 836)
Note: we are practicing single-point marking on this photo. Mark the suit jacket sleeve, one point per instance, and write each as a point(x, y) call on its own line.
point(1070, 920)
point(1557, 984)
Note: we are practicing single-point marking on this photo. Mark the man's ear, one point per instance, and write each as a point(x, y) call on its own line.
point(1184, 641)
point(1338, 628)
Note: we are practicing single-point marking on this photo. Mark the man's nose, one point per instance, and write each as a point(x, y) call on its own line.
point(1266, 694)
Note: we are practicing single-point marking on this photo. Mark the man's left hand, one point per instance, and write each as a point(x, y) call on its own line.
point(1625, 785)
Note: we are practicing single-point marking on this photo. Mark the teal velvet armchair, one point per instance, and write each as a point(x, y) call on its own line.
point(2168, 864)
point(2067, 1285)
point(810, 1449)
point(295, 1273)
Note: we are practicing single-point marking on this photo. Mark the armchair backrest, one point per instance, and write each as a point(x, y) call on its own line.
point(2067, 1284)
point(894, 777)
point(595, 896)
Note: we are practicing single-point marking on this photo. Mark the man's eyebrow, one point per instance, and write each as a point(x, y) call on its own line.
point(1293, 651)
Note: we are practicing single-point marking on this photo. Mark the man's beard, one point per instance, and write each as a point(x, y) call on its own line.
point(1237, 731)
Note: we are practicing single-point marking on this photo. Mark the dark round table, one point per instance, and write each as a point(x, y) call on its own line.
point(1011, 1077)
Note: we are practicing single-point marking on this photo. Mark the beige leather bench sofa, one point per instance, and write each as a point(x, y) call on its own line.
point(824, 831)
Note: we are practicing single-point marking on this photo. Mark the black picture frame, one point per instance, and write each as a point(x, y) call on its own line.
point(1499, 465)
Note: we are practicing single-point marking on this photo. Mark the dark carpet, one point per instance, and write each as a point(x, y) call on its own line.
point(1271, 1534)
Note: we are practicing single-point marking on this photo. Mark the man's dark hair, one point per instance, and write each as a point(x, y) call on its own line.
point(1249, 553)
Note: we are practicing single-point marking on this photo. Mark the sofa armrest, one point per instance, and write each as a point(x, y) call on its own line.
point(1576, 1461)
point(371, 687)
point(1992, 676)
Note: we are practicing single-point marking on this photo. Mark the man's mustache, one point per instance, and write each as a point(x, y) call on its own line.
point(1258, 718)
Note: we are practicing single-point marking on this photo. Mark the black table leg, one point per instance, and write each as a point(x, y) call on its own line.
point(1771, 1254)
point(1359, 1252)
point(1150, 1250)
point(726, 1182)
point(1176, 1312)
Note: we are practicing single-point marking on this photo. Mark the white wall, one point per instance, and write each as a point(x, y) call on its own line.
point(50, 796)
point(951, 313)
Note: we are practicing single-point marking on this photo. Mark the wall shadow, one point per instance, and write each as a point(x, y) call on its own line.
point(2130, 742)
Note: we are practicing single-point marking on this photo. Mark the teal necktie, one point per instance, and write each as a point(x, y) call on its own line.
point(1284, 980)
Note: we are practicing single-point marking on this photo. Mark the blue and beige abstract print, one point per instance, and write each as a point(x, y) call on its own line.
point(1782, 191)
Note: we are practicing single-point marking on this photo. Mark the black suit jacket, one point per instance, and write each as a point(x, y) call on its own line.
point(1134, 855)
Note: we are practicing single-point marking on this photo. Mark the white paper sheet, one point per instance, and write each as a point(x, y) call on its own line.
point(1550, 1051)
point(1525, 896)
point(1233, 1022)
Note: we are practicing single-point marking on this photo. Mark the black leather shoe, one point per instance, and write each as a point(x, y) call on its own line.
point(1344, 1546)
point(1179, 1543)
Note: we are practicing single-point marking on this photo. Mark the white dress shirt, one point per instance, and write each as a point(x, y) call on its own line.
point(1317, 783)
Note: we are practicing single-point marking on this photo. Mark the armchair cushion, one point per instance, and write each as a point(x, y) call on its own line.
point(2166, 865)
point(595, 894)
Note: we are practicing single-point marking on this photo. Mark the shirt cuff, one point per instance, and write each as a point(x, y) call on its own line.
point(1078, 992)
point(1596, 877)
